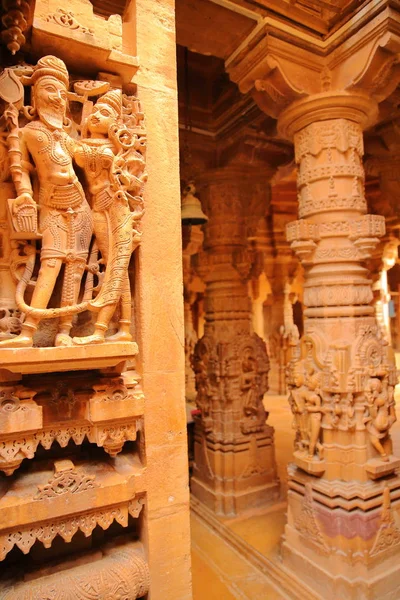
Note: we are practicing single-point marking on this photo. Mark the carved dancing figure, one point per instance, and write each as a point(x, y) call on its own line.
point(65, 221)
point(380, 413)
point(306, 404)
point(113, 164)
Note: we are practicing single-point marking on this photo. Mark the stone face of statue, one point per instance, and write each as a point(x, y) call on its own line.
point(50, 97)
point(101, 119)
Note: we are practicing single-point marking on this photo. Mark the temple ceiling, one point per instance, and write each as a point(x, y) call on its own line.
point(218, 27)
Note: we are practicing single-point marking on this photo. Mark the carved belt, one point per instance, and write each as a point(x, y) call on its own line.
point(62, 197)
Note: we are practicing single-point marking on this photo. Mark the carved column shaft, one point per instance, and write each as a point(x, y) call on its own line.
point(333, 237)
point(341, 534)
point(234, 458)
point(342, 375)
point(192, 240)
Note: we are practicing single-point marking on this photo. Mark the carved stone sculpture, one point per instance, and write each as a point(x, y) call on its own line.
point(192, 241)
point(230, 362)
point(107, 203)
point(15, 23)
point(122, 573)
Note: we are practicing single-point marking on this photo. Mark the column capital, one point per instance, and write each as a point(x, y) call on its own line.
point(354, 106)
point(284, 65)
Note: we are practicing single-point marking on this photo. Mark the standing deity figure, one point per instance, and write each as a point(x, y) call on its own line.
point(110, 154)
point(297, 400)
point(306, 404)
point(315, 410)
point(248, 383)
point(112, 159)
point(45, 152)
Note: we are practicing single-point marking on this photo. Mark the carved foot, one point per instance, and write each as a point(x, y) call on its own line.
point(88, 340)
point(120, 336)
point(21, 341)
point(63, 339)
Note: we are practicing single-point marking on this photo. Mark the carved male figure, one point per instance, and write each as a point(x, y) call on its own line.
point(65, 221)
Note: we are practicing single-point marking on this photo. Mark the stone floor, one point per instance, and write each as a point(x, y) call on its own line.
point(219, 571)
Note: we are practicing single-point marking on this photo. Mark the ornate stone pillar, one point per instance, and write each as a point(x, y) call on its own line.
point(279, 265)
point(342, 375)
point(192, 240)
point(234, 451)
point(341, 537)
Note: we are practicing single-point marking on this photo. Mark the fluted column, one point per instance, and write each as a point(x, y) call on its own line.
point(234, 452)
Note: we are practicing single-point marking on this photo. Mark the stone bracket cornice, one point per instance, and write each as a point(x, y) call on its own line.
point(365, 232)
point(280, 69)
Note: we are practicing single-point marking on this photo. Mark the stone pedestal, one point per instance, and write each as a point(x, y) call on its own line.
point(234, 456)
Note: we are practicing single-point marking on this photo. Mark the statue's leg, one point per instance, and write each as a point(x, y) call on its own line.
point(98, 337)
point(48, 273)
point(78, 229)
point(315, 427)
point(105, 314)
point(378, 446)
point(124, 326)
point(63, 337)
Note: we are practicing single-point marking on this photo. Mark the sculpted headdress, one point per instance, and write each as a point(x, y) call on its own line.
point(113, 98)
point(49, 66)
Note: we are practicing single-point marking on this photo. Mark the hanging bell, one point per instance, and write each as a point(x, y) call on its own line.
point(191, 210)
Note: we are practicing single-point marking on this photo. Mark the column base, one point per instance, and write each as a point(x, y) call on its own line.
point(342, 539)
point(232, 504)
point(235, 477)
point(382, 583)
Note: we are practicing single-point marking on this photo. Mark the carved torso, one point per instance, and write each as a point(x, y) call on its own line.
point(51, 151)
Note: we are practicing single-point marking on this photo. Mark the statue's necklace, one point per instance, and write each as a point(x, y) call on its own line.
point(92, 149)
point(55, 141)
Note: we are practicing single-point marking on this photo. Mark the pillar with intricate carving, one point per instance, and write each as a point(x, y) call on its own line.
point(234, 450)
point(279, 266)
point(342, 535)
point(192, 238)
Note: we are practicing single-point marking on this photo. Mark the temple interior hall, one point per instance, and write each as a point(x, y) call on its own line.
point(231, 142)
point(199, 300)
